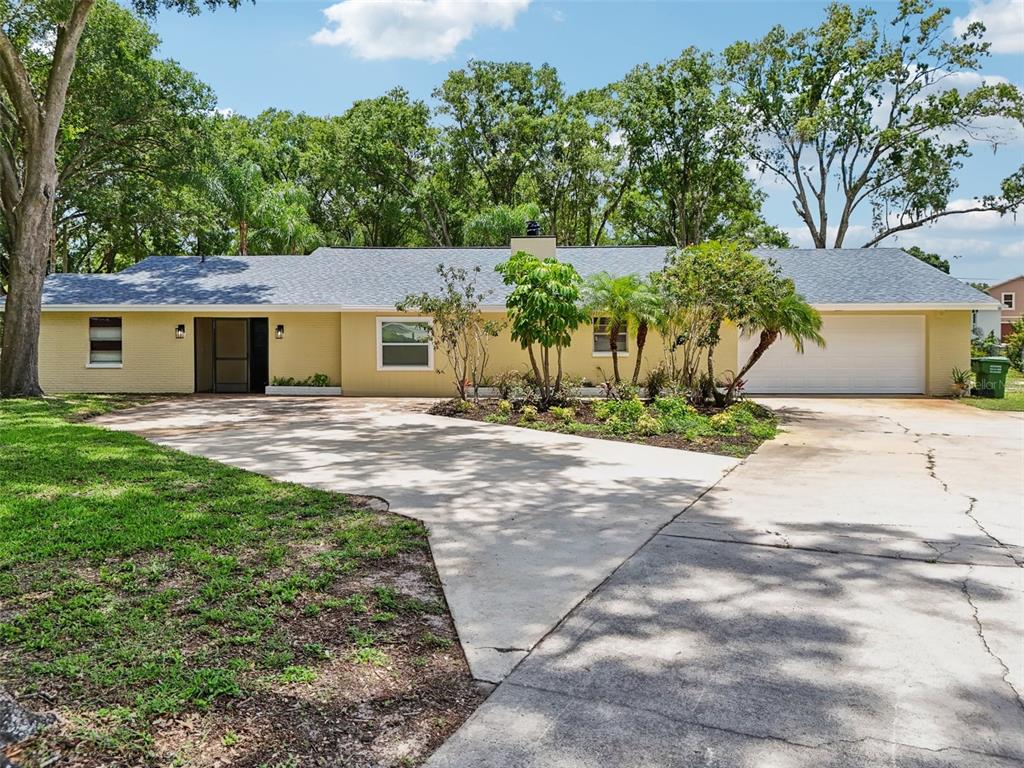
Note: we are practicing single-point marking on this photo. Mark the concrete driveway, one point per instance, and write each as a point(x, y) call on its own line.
point(851, 595)
point(523, 524)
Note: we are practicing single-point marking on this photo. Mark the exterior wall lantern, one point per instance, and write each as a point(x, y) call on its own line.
point(179, 331)
point(279, 332)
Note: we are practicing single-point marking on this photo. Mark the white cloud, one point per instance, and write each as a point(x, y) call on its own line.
point(979, 221)
point(1003, 20)
point(412, 29)
point(856, 235)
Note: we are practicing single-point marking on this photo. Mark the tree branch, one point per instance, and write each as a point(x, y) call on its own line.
point(18, 86)
point(63, 65)
point(926, 220)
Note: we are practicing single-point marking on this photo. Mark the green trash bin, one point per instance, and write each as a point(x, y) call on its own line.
point(990, 375)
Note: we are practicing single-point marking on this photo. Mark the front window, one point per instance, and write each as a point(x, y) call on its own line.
point(404, 344)
point(1009, 299)
point(105, 342)
point(603, 337)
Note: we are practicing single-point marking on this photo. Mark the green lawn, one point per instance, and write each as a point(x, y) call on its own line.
point(1014, 400)
point(174, 610)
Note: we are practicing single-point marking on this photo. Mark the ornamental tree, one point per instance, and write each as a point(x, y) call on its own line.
point(458, 326)
point(705, 285)
point(779, 311)
point(544, 309)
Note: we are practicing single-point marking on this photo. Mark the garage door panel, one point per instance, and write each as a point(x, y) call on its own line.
point(882, 354)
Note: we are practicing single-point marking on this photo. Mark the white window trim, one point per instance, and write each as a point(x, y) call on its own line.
point(595, 353)
point(103, 365)
point(1013, 300)
point(380, 345)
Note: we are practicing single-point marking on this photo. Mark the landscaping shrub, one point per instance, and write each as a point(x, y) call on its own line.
point(677, 415)
point(619, 417)
point(505, 408)
point(1015, 346)
point(529, 414)
point(564, 414)
point(316, 380)
point(657, 380)
point(513, 385)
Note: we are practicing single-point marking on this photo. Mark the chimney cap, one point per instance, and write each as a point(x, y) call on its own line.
point(532, 229)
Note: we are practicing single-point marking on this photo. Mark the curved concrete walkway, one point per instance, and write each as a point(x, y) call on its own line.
point(523, 524)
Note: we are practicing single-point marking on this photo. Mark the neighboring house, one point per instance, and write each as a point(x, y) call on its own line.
point(1010, 294)
point(986, 322)
point(230, 324)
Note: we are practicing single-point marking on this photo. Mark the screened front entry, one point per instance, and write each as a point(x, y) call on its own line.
point(231, 354)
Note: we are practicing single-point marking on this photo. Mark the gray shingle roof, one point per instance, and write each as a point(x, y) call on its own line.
point(380, 277)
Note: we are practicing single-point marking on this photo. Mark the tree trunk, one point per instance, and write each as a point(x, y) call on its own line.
point(718, 397)
point(613, 345)
point(641, 340)
point(766, 339)
point(28, 205)
point(19, 360)
point(243, 238)
point(536, 372)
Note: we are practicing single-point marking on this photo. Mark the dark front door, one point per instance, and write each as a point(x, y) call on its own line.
point(231, 354)
point(259, 354)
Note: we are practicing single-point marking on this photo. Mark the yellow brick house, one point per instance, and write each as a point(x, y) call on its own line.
point(231, 324)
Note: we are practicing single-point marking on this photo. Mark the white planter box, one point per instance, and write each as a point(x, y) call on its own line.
point(304, 391)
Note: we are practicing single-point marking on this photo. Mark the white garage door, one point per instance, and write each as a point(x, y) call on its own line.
point(877, 354)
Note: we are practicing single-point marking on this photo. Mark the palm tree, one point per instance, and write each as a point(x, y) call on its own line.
point(283, 224)
point(237, 188)
point(614, 298)
point(645, 313)
point(783, 312)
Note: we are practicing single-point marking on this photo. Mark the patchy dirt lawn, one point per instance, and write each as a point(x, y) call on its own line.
point(169, 610)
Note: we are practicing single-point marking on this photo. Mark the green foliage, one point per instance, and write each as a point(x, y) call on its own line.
point(961, 380)
point(857, 111)
point(687, 141)
point(982, 346)
point(316, 380)
point(513, 385)
point(529, 414)
point(564, 414)
point(543, 309)
point(497, 225)
point(1015, 345)
point(297, 674)
point(929, 258)
point(505, 408)
point(779, 311)
point(619, 416)
point(459, 328)
point(657, 380)
point(629, 303)
point(703, 286)
point(503, 117)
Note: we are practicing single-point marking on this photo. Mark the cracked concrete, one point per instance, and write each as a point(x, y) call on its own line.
point(984, 640)
point(852, 595)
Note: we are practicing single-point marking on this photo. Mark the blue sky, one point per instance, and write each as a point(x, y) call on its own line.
point(289, 54)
